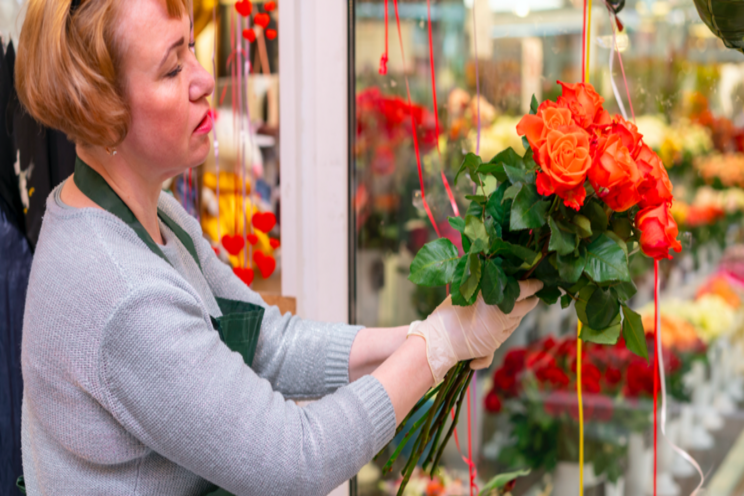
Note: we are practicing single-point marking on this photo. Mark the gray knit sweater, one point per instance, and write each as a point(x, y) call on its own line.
point(129, 390)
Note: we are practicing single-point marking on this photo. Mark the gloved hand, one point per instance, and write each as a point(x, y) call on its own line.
point(454, 333)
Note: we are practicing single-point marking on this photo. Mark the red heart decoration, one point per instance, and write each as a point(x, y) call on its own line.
point(233, 244)
point(271, 34)
point(262, 20)
point(249, 34)
point(252, 239)
point(266, 264)
point(264, 222)
point(275, 243)
point(270, 6)
point(244, 7)
point(245, 275)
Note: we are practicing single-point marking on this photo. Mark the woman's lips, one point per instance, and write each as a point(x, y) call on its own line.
point(204, 126)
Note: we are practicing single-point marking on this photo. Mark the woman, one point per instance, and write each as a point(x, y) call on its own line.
point(131, 382)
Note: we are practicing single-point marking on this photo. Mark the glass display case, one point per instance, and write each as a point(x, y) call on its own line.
point(490, 57)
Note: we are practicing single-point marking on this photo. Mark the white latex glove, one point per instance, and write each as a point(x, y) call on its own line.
point(455, 333)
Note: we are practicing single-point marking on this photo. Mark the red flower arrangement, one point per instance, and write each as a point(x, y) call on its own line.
point(574, 140)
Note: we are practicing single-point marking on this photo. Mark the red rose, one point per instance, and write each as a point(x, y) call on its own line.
point(614, 174)
point(613, 376)
point(564, 159)
point(655, 187)
point(639, 379)
point(658, 231)
point(628, 134)
point(505, 382)
point(548, 343)
point(585, 105)
point(539, 359)
point(703, 215)
point(514, 360)
point(493, 402)
point(536, 127)
point(553, 376)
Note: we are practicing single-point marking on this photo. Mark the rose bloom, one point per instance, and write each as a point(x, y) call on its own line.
point(585, 105)
point(614, 174)
point(554, 376)
point(658, 231)
point(514, 360)
point(536, 127)
point(628, 133)
point(564, 160)
point(493, 403)
point(655, 187)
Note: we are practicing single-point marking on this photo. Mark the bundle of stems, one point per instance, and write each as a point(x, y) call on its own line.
point(450, 394)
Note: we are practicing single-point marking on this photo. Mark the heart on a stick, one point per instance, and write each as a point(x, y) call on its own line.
point(252, 239)
point(271, 34)
point(270, 6)
point(275, 243)
point(264, 222)
point(245, 275)
point(233, 243)
point(249, 34)
point(262, 20)
point(265, 263)
point(244, 7)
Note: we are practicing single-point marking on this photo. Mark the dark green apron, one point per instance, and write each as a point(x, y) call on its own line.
point(240, 323)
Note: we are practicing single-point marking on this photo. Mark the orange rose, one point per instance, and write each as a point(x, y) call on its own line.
point(703, 215)
point(585, 105)
point(614, 174)
point(536, 127)
point(564, 161)
point(655, 187)
point(658, 231)
point(628, 133)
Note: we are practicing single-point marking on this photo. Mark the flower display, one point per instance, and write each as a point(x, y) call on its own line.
point(726, 169)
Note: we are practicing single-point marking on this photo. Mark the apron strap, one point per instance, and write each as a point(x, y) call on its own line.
point(95, 187)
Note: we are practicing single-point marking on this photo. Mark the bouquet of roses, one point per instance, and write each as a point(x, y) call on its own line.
point(571, 211)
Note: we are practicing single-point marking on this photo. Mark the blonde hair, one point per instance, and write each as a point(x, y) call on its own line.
point(67, 68)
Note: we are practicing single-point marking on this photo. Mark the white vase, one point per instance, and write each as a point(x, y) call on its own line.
point(566, 478)
point(635, 474)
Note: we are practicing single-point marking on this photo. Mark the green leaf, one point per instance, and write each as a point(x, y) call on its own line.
point(476, 198)
point(474, 209)
point(511, 293)
point(489, 185)
point(583, 225)
point(525, 143)
point(606, 261)
point(501, 480)
point(601, 309)
point(519, 175)
point(470, 281)
point(571, 267)
point(529, 210)
point(434, 264)
point(623, 228)
point(549, 294)
point(561, 241)
point(622, 244)
point(471, 162)
point(529, 159)
point(493, 283)
point(512, 191)
point(457, 223)
point(495, 207)
point(583, 281)
point(460, 270)
point(609, 335)
point(582, 299)
point(624, 290)
point(566, 301)
point(476, 231)
point(534, 105)
point(597, 216)
point(501, 247)
point(547, 273)
point(508, 157)
point(493, 229)
point(635, 336)
point(497, 170)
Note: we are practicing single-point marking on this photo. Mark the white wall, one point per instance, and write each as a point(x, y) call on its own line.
point(314, 159)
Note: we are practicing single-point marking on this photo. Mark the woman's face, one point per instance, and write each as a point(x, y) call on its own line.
point(166, 90)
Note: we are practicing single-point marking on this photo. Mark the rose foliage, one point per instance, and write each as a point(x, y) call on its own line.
point(571, 211)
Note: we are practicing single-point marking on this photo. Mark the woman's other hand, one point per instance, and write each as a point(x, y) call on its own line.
point(455, 333)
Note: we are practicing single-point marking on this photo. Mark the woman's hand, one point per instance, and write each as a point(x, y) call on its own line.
point(454, 334)
point(450, 334)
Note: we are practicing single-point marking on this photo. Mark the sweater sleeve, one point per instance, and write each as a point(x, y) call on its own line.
point(301, 358)
point(171, 382)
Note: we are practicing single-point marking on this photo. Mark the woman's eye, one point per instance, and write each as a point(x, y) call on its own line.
point(174, 72)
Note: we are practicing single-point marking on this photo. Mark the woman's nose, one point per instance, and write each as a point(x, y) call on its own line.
point(202, 84)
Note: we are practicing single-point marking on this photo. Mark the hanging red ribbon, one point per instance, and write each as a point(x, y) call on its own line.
point(384, 58)
point(656, 370)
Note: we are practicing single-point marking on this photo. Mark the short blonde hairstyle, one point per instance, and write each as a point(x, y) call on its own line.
point(67, 70)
